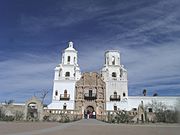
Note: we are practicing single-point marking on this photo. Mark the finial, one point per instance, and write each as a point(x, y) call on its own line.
point(71, 44)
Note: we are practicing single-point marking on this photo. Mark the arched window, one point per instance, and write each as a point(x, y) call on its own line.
point(90, 93)
point(121, 72)
point(115, 94)
point(115, 107)
point(113, 60)
point(69, 58)
point(108, 60)
point(113, 74)
point(63, 59)
point(56, 93)
point(60, 70)
point(64, 106)
point(74, 60)
point(124, 94)
point(67, 74)
point(65, 93)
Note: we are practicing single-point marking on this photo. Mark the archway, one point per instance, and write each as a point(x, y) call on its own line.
point(32, 113)
point(33, 110)
point(90, 112)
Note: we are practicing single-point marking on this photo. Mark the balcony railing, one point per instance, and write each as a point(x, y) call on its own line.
point(64, 96)
point(88, 96)
point(115, 98)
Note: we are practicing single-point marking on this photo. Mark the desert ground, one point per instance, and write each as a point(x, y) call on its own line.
point(86, 127)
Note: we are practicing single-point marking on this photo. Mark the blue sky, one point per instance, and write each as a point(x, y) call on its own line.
point(33, 34)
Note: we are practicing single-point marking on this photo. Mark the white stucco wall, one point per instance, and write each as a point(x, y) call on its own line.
point(135, 101)
point(59, 105)
point(60, 86)
point(119, 86)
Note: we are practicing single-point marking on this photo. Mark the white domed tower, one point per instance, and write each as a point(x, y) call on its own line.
point(115, 76)
point(66, 75)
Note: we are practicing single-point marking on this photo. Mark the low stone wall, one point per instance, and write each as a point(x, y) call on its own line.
point(117, 116)
point(61, 115)
point(101, 117)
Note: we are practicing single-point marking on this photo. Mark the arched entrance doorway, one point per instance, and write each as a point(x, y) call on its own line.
point(32, 113)
point(90, 112)
point(33, 110)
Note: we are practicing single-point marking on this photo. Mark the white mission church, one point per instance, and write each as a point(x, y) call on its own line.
point(91, 91)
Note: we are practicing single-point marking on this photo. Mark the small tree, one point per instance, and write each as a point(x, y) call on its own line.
point(9, 102)
point(42, 94)
point(163, 114)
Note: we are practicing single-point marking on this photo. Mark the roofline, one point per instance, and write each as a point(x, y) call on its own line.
point(153, 97)
point(112, 51)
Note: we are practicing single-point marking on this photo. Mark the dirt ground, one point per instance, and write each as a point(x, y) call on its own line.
point(17, 127)
point(86, 127)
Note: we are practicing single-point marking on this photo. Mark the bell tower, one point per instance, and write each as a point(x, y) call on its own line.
point(115, 76)
point(112, 58)
point(65, 77)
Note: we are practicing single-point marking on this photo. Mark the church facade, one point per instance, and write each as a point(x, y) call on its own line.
point(90, 93)
point(95, 92)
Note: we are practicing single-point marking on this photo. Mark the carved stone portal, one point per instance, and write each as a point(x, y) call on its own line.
point(90, 93)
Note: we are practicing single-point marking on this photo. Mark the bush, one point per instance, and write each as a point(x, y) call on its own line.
point(119, 117)
point(46, 118)
point(8, 118)
point(4, 117)
point(18, 115)
point(162, 113)
point(122, 117)
point(2, 113)
point(14, 114)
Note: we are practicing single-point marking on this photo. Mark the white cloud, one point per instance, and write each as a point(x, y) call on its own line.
point(146, 66)
point(152, 67)
point(28, 74)
point(149, 63)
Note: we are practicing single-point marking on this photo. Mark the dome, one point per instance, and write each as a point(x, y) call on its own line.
point(70, 47)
